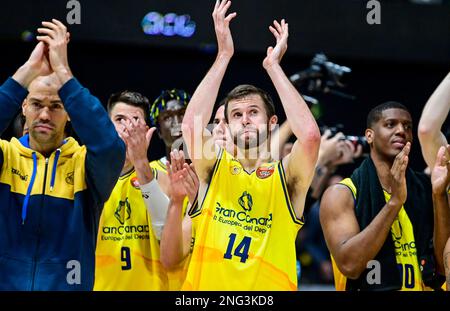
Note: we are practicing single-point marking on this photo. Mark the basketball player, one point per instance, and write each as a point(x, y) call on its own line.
point(382, 217)
point(127, 255)
point(251, 207)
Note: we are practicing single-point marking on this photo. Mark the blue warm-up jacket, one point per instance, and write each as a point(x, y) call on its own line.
point(50, 207)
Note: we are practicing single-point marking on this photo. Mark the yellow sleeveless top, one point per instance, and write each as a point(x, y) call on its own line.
point(127, 254)
point(405, 250)
point(245, 231)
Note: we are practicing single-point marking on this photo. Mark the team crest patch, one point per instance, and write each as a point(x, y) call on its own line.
point(246, 201)
point(123, 211)
point(235, 169)
point(69, 178)
point(135, 182)
point(264, 172)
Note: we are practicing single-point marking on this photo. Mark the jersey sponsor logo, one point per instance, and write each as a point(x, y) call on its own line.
point(123, 211)
point(265, 172)
point(230, 215)
point(246, 201)
point(15, 171)
point(397, 230)
point(69, 178)
point(126, 229)
point(135, 182)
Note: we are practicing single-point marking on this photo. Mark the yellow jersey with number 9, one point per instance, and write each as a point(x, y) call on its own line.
point(127, 254)
point(245, 231)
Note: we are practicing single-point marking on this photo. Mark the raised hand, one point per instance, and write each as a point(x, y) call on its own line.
point(398, 179)
point(191, 182)
point(275, 54)
point(137, 136)
point(225, 46)
point(440, 175)
point(56, 37)
point(36, 65)
point(177, 174)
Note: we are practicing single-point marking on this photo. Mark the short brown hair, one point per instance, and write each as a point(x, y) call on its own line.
point(245, 90)
point(130, 98)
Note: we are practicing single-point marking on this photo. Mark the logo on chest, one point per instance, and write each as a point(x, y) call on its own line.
point(69, 178)
point(265, 172)
point(246, 201)
point(123, 211)
point(135, 182)
point(18, 173)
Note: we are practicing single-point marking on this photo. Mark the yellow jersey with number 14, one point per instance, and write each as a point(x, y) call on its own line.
point(245, 231)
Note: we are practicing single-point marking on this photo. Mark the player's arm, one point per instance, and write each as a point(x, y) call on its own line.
point(279, 138)
point(177, 232)
point(447, 264)
point(352, 248)
point(137, 136)
point(105, 153)
point(300, 163)
point(200, 108)
point(14, 91)
point(433, 117)
point(440, 178)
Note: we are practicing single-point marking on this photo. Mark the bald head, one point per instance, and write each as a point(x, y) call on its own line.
point(44, 113)
point(50, 83)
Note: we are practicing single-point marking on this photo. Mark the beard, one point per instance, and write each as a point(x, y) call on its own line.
point(251, 141)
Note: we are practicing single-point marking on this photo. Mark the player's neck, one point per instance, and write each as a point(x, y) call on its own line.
point(45, 149)
point(253, 158)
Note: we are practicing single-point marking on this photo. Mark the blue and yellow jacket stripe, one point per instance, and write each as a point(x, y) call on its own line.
point(50, 207)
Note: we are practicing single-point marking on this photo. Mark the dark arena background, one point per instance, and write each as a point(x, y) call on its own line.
point(403, 58)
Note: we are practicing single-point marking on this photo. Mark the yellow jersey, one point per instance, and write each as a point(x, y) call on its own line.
point(127, 254)
point(405, 250)
point(177, 275)
point(245, 230)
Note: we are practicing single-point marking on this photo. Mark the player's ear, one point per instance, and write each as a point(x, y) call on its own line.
point(369, 135)
point(24, 106)
point(273, 122)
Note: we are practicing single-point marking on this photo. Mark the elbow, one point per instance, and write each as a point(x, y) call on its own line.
point(314, 136)
point(310, 135)
point(167, 262)
point(350, 268)
point(165, 258)
point(425, 131)
point(312, 139)
point(168, 258)
point(187, 126)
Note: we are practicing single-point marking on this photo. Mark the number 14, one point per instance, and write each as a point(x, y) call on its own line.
point(241, 250)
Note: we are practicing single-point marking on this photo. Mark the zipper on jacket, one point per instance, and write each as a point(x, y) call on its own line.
point(39, 225)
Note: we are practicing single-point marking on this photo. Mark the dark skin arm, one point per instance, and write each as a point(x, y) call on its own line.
point(340, 226)
point(447, 264)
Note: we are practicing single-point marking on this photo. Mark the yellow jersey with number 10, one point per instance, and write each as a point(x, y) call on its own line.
point(245, 231)
point(405, 250)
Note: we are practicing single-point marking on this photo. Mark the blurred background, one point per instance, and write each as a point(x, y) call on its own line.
point(150, 45)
